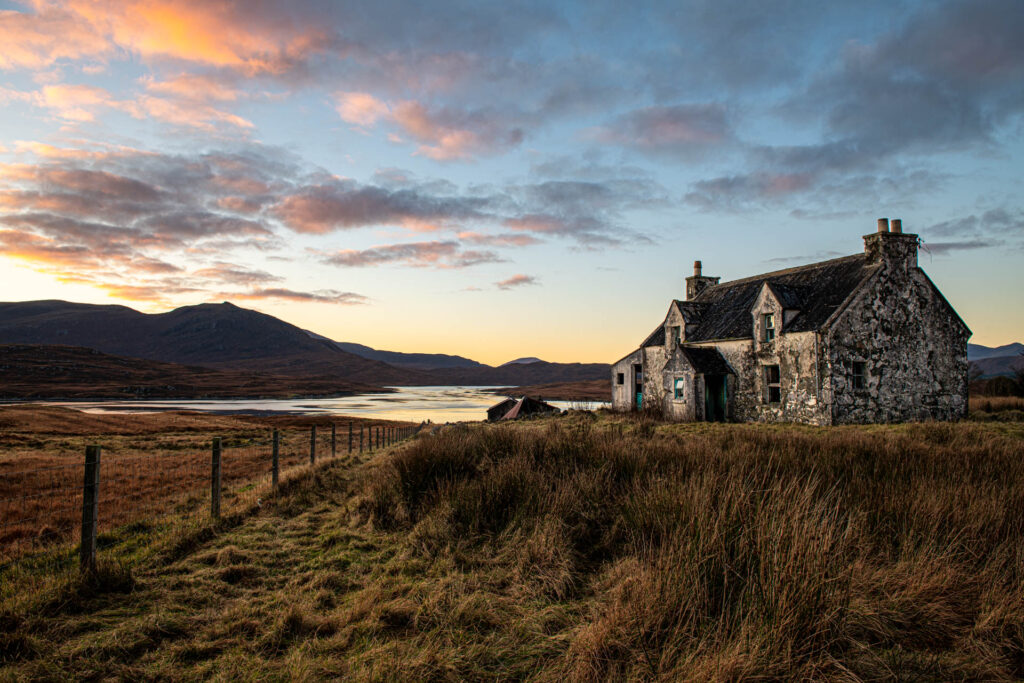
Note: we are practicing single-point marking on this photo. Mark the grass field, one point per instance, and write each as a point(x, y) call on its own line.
point(582, 548)
point(151, 464)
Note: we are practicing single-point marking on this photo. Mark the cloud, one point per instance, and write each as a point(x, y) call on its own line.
point(329, 296)
point(449, 134)
point(942, 248)
point(83, 103)
point(37, 40)
point(344, 204)
point(997, 227)
point(251, 37)
point(499, 240)
point(732, 192)
point(194, 88)
point(437, 254)
point(945, 79)
point(360, 108)
point(685, 131)
point(516, 281)
point(806, 258)
point(235, 274)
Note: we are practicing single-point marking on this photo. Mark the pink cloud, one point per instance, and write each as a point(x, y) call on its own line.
point(437, 254)
point(519, 280)
point(361, 108)
point(501, 240)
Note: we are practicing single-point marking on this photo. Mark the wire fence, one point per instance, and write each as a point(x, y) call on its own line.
point(62, 508)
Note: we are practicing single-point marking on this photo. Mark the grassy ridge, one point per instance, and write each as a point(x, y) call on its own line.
point(593, 549)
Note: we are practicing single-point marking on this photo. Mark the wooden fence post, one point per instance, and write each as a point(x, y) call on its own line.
point(350, 437)
point(215, 480)
point(275, 468)
point(90, 509)
point(312, 445)
point(334, 440)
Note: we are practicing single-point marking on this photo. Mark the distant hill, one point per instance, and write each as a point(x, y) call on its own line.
point(416, 361)
point(212, 335)
point(226, 337)
point(979, 352)
point(519, 374)
point(1000, 360)
point(522, 361)
point(31, 371)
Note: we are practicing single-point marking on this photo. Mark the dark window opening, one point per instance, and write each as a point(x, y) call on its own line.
point(676, 334)
point(769, 327)
point(773, 384)
point(859, 368)
point(680, 387)
point(620, 378)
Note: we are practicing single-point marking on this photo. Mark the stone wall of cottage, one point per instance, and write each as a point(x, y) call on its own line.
point(796, 354)
point(686, 408)
point(913, 350)
point(622, 394)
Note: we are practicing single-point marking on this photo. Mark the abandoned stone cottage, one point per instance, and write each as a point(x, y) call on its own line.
point(863, 338)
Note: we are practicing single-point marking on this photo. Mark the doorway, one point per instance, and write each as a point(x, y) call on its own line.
point(716, 398)
point(638, 386)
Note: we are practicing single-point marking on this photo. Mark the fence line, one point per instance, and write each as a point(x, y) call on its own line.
point(90, 502)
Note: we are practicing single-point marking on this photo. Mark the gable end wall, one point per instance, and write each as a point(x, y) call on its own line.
point(913, 348)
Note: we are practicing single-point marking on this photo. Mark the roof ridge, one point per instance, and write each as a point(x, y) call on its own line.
point(777, 273)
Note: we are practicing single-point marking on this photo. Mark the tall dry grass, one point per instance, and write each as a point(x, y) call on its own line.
point(996, 404)
point(734, 552)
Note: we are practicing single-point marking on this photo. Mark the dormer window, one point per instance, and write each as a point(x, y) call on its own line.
point(675, 335)
point(768, 325)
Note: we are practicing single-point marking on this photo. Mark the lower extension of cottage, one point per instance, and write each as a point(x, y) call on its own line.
point(863, 338)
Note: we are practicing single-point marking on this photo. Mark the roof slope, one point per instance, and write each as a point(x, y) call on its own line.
point(815, 290)
point(706, 361)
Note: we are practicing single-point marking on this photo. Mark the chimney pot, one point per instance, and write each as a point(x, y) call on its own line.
point(696, 268)
point(897, 225)
point(883, 225)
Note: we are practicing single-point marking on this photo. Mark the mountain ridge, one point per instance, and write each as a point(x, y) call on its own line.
point(229, 337)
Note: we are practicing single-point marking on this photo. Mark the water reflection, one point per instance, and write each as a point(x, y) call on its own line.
point(415, 404)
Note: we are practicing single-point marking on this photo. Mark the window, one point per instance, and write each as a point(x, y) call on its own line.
point(769, 326)
point(773, 386)
point(676, 334)
point(620, 378)
point(680, 388)
point(859, 368)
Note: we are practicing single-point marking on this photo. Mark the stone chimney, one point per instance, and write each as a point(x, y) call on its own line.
point(892, 246)
point(697, 283)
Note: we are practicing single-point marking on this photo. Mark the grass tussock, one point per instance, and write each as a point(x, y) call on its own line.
point(736, 552)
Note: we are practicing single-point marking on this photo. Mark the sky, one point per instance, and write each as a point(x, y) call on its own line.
point(503, 179)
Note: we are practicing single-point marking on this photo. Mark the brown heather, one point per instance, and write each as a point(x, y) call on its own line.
point(583, 548)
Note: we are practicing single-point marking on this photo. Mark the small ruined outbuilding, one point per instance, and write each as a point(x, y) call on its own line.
point(863, 338)
point(512, 409)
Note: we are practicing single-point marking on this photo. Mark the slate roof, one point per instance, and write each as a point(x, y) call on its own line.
point(815, 290)
point(656, 338)
point(706, 361)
